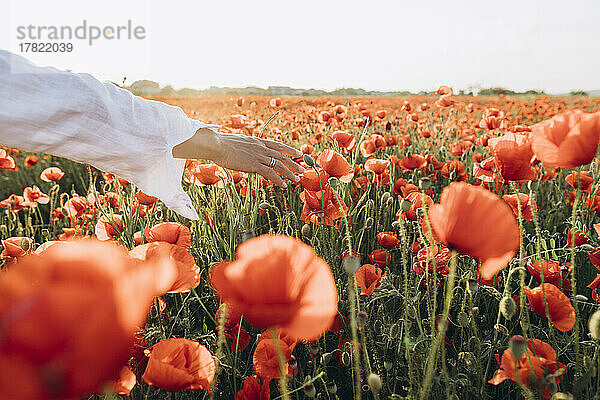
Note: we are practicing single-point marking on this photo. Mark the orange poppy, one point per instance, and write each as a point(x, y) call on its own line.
point(51, 174)
point(416, 202)
point(179, 364)
point(124, 382)
point(15, 203)
point(412, 162)
point(436, 256)
point(233, 329)
point(6, 161)
point(312, 181)
point(145, 199)
point(526, 210)
point(552, 272)
point(539, 355)
point(71, 358)
point(582, 180)
point(461, 221)
point(562, 313)
point(368, 147)
point(76, 206)
point(345, 140)
point(105, 230)
point(279, 281)
point(336, 165)
point(188, 273)
point(34, 196)
point(387, 239)
point(580, 237)
point(380, 257)
point(254, 389)
point(512, 156)
point(170, 232)
point(368, 278)
point(265, 359)
point(15, 247)
point(567, 140)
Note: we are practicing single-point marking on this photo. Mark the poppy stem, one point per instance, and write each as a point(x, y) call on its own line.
point(219, 352)
point(283, 388)
point(352, 299)
point(573, 278)
point(442, 327)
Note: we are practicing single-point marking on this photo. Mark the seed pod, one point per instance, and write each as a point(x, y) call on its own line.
point(518, 346)
point(25, 244)
point(374, 382)
point(309, 390)
point(331, 388)
point(388, 365)
point(325, 358)
point(385, 196)
point(309, 160)
point(508, 308)
point(264, 206)
point(334, 182)
point(462, 319)
point(473, 285)
point(351, 264)
point(395, 330)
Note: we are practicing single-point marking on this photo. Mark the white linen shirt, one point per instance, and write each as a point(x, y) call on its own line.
point(43, 109)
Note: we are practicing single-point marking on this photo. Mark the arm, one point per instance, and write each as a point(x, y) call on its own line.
point(78, 117)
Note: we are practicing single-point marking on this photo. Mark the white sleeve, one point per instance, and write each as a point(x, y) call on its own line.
point(75, 116)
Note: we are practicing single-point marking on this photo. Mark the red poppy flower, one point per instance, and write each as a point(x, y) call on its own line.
point(105, 230)
point(279, 281)
point(51, 174)
point(412, 162)
point(170, 232)
point(512, 156)
point(144, 199)
point(34, 196)
point(380, 257)
point(79, 349)
point(435, 256)
point(345, 140)
point(179, 364)
point(312, 181)
point(462, 218)
point(567, 140)
point(552, 272)
point(539, 355)
point(526, 211)
point(15, 247)
point(582, 180)
point(387, 239)
point(6, 161)
point(562, 313)
point(124, 382)
point(368, 147)
point(368, 277)
point(208, 174)
point(265, 359)
point(31, 160)
point(416, 202)
point(16, 203)
point(336, 165)
point(76, 206)
point(254, 389)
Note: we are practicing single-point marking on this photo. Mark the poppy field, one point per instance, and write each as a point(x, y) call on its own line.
point(436, 247)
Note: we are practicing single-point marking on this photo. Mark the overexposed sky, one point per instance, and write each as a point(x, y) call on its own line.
point(377, 45)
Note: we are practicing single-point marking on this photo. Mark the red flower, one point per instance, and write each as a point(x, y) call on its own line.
point(387, 239)
point(254, 389)
point(380, 257)
point(368, 277)
point(526, 211)
point(52, 174)
point(562, 313)
point(512, 156)
point(336, 165)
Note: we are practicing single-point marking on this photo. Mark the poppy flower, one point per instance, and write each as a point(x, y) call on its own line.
point(435, 256)
point(105, 230)
point(144, 199)
point(233, 329)
point(307, 148)
point(336, 165)
point(380, 170)
point(552, 272)
point(413, 162)
point(368, 147)
point(321, 206)
point(387, 239)
point(594, 285)
point(278, 281)
point(76, 206)
point(345, 140)
point(6, 161)
point(562, 313)
point(275, 102)
point(312, 181)
point(124, 382)
point(51, 174)
point(567, 140)
point(266, 360)
point(254, 389)
point(71, 234)
point(492, 119)
point(170, 232)
point(580, 237)
point(207, 175)
point(179, 364)
point(523, 203)
point(368, 278)
point(461, 221)
point(539, 355)
point(416, 200)
point(512, 157)
point(188, 273)
point(14, 202)
point(72, 358)
point(15, 247)
point(380, 257)
point(582, 180)
point(34, 196)
point(31, 160)
point(594, 257)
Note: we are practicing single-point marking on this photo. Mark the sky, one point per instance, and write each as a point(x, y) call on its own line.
point(376, 45)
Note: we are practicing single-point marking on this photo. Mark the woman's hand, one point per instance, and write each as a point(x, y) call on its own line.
point(243, 153)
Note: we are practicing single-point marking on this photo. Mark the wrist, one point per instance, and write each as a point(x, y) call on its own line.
point(205, 144)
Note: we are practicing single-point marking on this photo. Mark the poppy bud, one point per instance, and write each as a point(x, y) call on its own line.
point(508, 308)
point(309, 390)
point(501, 328)
point(293, 364)
point(475, 311)
point(306, 231)
point(313, 348)
point(369, 223)
point(247, 235)
point(388, 365)
point(594, 325)
point(518, 346)
point(331, 388)
point(395, 330)
point(396, 224)
point(405, 205)
point(385, 196)
point(351, 264)
point(325, 358)
point(374, 383)
point(370, 204)
point(334, 182)
point(462, 319)
point(25, 244)
point(309, 160)
point(264, 206)
point(390, 201)
point(466, 357)
point(361, 318)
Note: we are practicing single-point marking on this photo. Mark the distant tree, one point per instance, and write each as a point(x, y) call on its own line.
point(578, 93)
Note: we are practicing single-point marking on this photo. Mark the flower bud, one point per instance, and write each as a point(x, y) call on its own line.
point(309, 160)
point(462, 319)
point(473, 285)
point(405, 205)
point(351, 264)
point(361, 318)
point(594, 325)
point(518, 346)
point(306, 231)
point(508, 308)
point(388, 364)
point(331, 388)
point(374, 382)
point(334, 182)
point(309, 390)
point(25, 244)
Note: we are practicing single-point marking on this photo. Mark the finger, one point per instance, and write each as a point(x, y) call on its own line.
point(270, 174)
point(291, 164)
point(282, 169)
point(272, 144)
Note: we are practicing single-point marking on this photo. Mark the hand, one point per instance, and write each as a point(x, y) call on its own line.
point(243, 153)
